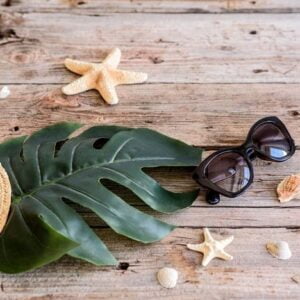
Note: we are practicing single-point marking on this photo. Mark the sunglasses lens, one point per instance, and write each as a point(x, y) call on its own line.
point(229, 171)
point(271, 141)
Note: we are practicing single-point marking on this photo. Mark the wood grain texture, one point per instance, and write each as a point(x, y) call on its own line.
point(215, 67)
point(229, 217)
point(154, 6)
point(203, 115)
point(252, 274)
point(203, 49)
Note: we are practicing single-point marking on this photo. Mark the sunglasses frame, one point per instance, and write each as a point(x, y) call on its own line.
point(249, 152)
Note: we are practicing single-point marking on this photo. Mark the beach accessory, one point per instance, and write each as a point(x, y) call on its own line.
point(280, 250)
point(167, 277)
point(212, 248)
point(229, 171)
point(103, 77)
point(289, 188)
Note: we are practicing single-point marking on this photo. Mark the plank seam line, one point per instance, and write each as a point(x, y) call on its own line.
point(76, 12)
point(213, 207)
point(291, 227)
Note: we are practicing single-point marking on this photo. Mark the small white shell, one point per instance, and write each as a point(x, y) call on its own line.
point(4, 93)
point(167, 277)
point(280, 250)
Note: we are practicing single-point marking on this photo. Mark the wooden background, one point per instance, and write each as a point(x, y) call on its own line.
point(215, 67)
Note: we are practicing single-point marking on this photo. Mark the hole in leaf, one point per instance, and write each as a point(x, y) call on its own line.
point(99, 143)
point(77, 207)
point(58, 146)
point(66, 200)
point(174, 179)
point(122, 192)
point(86, 214)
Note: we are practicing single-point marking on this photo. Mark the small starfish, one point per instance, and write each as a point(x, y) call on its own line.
point(102, 77)
point(211, 248)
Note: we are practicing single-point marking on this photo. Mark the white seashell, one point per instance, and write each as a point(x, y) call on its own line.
point(289, 188)
point(167, 277)
point(4, 93)
point(280, 250)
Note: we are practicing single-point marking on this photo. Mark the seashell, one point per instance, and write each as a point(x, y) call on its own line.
point(4, 93)
point(289, 188)
point(167, 277)
point(280, 250)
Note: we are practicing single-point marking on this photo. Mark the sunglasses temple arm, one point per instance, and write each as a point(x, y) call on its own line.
point(212, 197)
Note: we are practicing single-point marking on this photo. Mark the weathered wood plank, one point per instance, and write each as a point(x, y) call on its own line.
point(218, 216)
point(252, 274)
point(200, 114)
point(153, 6)
point(202, 49)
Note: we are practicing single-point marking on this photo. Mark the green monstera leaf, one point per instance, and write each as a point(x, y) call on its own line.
point(49, 167)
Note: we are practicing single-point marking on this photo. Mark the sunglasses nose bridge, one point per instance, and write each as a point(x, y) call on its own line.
point(250, 152)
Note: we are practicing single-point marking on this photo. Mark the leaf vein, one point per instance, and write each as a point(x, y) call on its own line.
point(120, 149)
point(30, 230)
point(128, 178)
point(15, 179)
point(73, 189)
point(39, 200)
point(38, 164)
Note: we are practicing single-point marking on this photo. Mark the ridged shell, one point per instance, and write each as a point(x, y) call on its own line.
point(289, 188)
point(167, 277)
point(279, 250)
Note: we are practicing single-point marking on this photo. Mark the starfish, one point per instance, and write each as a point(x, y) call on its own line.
point(211, 248)
point(101, 76)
